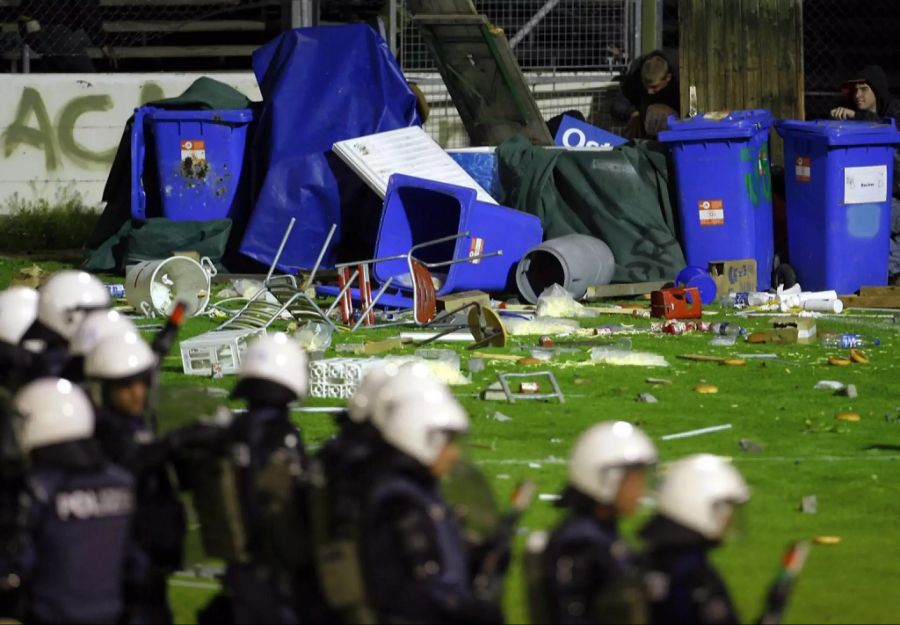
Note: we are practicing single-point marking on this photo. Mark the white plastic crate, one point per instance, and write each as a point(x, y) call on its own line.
point(338, 378)
point(202, 354)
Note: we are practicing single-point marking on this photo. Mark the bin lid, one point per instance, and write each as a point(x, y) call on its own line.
point(228, 116)
point(717, 125)
point(841, 132)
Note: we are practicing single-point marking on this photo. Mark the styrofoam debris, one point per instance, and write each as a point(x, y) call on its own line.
point(502, 418)
point(555, 301)
point(549, 497)
point(647, 398)
point(516, 326)
point(608, 356)
point(829, 385)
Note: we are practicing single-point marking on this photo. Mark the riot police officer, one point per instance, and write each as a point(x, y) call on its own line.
point(118, 371)
point(696, 506)
point(64, 301)
point(585, 573)
point(267, 559)
point(413, 556)
point(96, 326)
point(81, 510)
point(18, 311)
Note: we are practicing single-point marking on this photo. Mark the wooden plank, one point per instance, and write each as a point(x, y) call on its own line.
point(715, 85)
point(873, 301)
point(190, 26)
point(685, 53)
point(879, 290)
point(601, 291)
point(734, 73)
point(752, 59)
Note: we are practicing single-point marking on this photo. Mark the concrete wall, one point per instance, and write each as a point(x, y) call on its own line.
point(59, 132)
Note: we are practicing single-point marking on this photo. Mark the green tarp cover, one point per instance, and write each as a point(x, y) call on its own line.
point(621, 196)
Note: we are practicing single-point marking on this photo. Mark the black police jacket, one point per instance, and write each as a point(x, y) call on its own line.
point(414, 558)
point(80, 536)
point(583, 558)
point(684, 586)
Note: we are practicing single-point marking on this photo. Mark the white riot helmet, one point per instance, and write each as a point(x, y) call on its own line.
point(66, 298)
point(359, 407)
point(701, 492)
point(277, 358)
point(422, 424)
point(402, 383)
point(18, 311)
point(119, 357)
point(54, 411)
point(603, 454)
point(96, 327)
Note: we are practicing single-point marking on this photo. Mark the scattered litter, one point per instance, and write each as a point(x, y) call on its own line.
point(837, 361)
point(829, 385)
point(440, 357)
point(494, 392)
point(847, 416)
point(542, 355)
point(504, 379)
point(504, 476)
point(315, 336)
point(502, 418)
point(809, 504)
point(475, 365)
point(530, 388)
point(827, 540)
point(706, 389)
point(555, 441)
point(700, 432)
point(745, 444)
point(534, 465)
point(647, 398)
point(555, 301)
point(850, 391)
point(517, 326)
point(723, 341)
point(658, 381)
point(460, 336)
point(529, 360)
point(858, 356)
point(627, 358)
point(581, 381)
point(353, 348)
point(549, 497)
point(32, 277)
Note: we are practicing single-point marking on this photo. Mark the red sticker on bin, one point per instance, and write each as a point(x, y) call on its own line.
point(193, 149)
point(476, 248)
point(712, 212)
point(802, 169)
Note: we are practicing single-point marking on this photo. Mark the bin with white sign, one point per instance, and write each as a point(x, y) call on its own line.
point(839, 176)
point(725, 188)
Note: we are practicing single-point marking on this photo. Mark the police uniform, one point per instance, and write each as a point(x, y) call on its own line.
point(15, 363)
point(585, 561)
point(413, 554)
point(80, 530)
point(160, 522)
point(684, 586)
point(53, 359)
point(265, 588)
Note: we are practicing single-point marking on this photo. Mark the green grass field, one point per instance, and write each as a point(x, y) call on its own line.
point(852, 468)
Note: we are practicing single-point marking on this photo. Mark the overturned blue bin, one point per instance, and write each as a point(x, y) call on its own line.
point(725, 188)
point(417, 211)
point(199, 161)
point(838, 179)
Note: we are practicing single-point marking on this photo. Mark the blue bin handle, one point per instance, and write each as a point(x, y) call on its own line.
point(138, 152)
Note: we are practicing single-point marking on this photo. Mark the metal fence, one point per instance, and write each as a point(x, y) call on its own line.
point(569, 50)
point(839, 38)
point(99, 35)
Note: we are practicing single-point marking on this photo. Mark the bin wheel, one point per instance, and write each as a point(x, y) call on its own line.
point(784, 275)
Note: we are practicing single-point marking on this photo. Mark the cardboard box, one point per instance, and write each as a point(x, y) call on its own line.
point(737, 276)
point(455, 301)
point(801, 330)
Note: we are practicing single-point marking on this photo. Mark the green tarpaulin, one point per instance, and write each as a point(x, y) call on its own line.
point(620, 196)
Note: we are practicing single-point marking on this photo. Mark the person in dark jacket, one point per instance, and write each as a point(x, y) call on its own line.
point(118, 372)
point(696, 506)
point(79, 546)
point(586, 567)
point(650, 93)
point(18, 311)
point(868, 98)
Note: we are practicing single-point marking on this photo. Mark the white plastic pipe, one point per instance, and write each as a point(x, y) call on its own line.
point(824, 305)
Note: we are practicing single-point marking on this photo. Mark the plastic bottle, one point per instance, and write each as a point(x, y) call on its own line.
point(724, 328)
point(848, 341)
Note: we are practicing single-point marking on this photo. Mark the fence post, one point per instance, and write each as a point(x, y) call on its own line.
point(651, 25)
point(301, 13)
point(394, 17)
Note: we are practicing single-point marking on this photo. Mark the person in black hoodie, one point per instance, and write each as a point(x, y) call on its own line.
point(696, 506)
point(650, 92)
point(586, 569)
point(869, 99)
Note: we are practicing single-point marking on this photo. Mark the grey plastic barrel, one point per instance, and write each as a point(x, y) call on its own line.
point(574, 261)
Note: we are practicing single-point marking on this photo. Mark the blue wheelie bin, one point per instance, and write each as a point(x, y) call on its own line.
point(839, 177)
point(199, 157)
point(725, 188)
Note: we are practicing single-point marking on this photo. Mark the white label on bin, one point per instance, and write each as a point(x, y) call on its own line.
point(803, 169)
point(476, 248)
point(712, 212)
point(865, 185)
point(194, 150)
